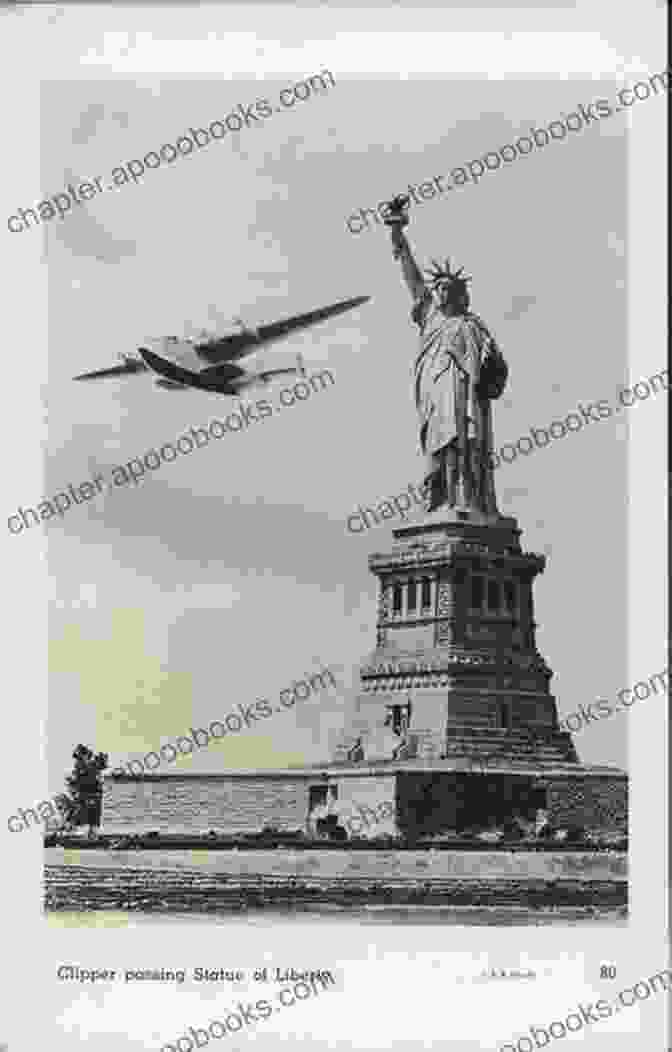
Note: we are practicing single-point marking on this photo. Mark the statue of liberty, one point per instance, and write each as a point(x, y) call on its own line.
point(459, 370)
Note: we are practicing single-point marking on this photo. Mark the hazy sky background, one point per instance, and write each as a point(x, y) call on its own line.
point(224, 576)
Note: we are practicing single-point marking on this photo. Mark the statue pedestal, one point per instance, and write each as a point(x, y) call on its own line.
point(456, 671)
point(457, 675)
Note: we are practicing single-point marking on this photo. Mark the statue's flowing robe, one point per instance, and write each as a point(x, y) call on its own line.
point(457, 372)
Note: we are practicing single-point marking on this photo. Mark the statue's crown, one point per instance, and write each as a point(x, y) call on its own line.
point(438, 275)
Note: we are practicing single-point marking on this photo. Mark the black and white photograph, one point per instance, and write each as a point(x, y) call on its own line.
point(335, 527)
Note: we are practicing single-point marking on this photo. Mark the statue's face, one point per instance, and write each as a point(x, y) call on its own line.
point(447, 301)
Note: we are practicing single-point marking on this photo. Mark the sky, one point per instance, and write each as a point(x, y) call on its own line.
point(224, 576)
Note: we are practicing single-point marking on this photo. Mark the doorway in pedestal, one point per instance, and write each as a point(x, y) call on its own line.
point(398, 718)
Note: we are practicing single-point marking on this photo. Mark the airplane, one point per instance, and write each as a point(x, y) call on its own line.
point(208, 361)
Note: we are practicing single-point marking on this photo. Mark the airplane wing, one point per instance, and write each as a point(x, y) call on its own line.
point(250, 340)
point(279, 329)
point(127, 368)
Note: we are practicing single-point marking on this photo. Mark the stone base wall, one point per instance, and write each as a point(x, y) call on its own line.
point(196, 805)
point(410, 803)
point(433, 803)
point(439, 802)
point(591, 803)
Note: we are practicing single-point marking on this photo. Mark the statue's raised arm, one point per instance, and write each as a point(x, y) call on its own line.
point(396, 219)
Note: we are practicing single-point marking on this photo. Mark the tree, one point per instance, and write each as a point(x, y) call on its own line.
point(67, 810)
point(84, 804)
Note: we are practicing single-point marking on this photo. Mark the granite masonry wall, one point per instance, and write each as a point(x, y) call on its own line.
point(197, 804)
point(426, 802)
point(594, 803)
point(436, 802)
point(433, 802)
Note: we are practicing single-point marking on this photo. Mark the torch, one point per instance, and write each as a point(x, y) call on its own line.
point(397, 218)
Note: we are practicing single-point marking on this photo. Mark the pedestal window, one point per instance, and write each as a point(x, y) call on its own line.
point(477, 592)
point(494, 596)
point(426, 593)
point(511, 596)
point(412, 596)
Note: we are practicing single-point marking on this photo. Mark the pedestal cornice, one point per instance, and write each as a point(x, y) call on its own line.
point(451, 539)
point(454, 555)
point(389, 672)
